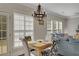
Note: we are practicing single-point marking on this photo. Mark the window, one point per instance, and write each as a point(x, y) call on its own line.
point(18, 29)
point(29, 26)
point(23, 26)
point(53, 25)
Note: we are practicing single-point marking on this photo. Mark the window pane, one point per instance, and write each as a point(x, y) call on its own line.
point(28, 18)
point(4, 33)
point(49, 25)
point(3, 27)
point(57, 25)
point(29, 34)
point(60, 26)
point(18, 26)
point(16, 44)
point(4, 19)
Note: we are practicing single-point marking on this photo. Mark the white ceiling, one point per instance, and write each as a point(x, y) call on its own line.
point(65, 9)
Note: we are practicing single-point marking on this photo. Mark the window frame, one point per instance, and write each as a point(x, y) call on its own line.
point(53, 26)
point(24, 26)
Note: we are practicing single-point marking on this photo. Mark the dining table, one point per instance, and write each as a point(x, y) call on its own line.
point(39, 46)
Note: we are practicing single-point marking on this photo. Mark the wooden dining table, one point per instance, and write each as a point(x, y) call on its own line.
point(39, 46)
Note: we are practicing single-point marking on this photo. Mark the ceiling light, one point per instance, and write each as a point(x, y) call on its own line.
point(39, 15)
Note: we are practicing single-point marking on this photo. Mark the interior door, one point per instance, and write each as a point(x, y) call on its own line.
point(4, 33)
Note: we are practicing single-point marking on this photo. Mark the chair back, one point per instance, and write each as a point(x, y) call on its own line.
point(28, 38)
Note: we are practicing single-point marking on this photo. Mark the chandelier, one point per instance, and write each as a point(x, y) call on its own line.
point(39, 15)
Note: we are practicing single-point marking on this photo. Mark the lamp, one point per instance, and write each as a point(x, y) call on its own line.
point(39, 15)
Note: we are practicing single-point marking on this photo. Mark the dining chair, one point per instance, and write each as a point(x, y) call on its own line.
point(28, 38)
point(50, 51)
point(26, 47)
point(30, 51)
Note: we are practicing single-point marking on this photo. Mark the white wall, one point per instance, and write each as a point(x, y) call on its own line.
point(72, 24)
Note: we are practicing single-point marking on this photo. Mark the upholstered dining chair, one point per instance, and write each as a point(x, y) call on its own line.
point(29, 51)
point(51, 51)
point(28, 38)
point(26, 47)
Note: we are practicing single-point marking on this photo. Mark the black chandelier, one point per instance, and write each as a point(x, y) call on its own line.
point(39, 15)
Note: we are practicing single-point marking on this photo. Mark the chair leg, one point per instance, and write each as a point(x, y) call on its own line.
point(44, 53)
